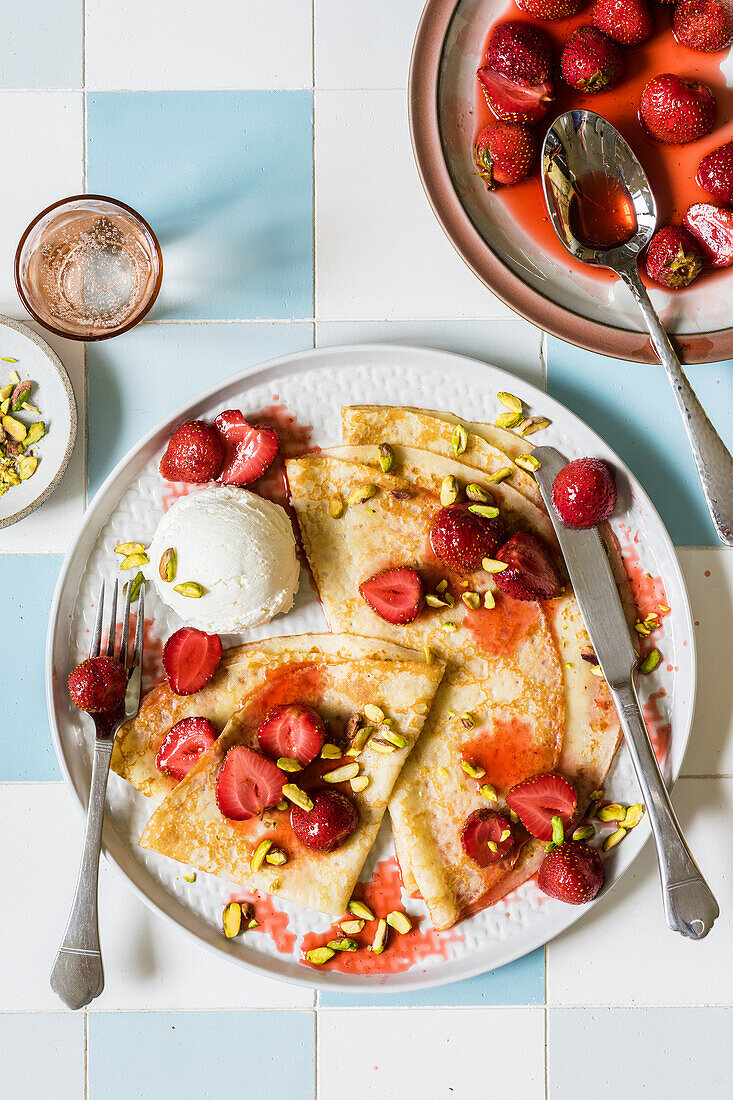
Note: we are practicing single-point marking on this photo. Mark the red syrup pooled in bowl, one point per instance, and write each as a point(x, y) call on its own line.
point(670, 169)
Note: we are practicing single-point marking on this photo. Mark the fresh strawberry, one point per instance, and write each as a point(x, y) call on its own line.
point(676, 111)
point(249, 450)
point(487, 837)
point(195, 453)
point(539, 799)
point(715, 173)
point(247, 784)
point(461, 539)
point(183, 745)
point(705, 25)
point(324, 828)
point(712, 228)
point(573, 873)
point(584, 493)
point(98, 684)
point(190, 659)
point(503, 153)
point(396, 595)
point(521, 51)
point(293, 730)
point(591, 61)
point(550, 9)
point(531, 574)
point(673, 259)
point(628, 22)
point(516, 100)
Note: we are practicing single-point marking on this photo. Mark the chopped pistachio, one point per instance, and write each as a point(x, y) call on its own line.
point(448, 490)
point(399, 921)
point(459, 440)
point(397, 739)
point(475, 771)
point(584, 832)
point(253, 923)
point(288, 764)
point(436, 601)
point(360, 910)
point(492, 845)
point(650, 662)
point(428, 654)
point(613, 812)
point(6, 391)
point(491, 565)
point(331, 752)
point(449, 628)
point(258, 856)
point(633, 816)
point(283, 805)
point(319, 955)
point(343, 944)
point(532, 424)
point(342, 774)
point(472, 600)
point(13, 376)
point(527, 462)
point(489, 601)
point(614, 839)
point(14, 428)
point(476, 494)
point(27, 466)
point(190, 877)
point(487, 511)
point(36, 431)
point(192, 589)
point(294, 794)
point(232, 919)
point(351, 927)
point(467, 720)
point(597, 671)
point(336, 506)
point(137, 582)
point(361, 494)
point(380, 745)
point(373, 713)
point(379, 942)
point(441, 586)
point(20, 395)
point(276, 857)
point(509, 401)
point(359, 783)
point(505, 834)
point(500, 475)
point(134, 561)
point(167, 565)
point(128, 548)
point(386, 457)
point(508, 420)
point(359, 741)
point(558, 831)
point(596, 796)
point(5, 406)
point(488, 792)
point(514, 816)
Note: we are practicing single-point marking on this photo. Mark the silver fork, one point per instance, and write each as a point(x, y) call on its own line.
point(77, 976)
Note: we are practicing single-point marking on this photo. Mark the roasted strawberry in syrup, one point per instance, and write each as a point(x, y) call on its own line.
point(712, 228)
point(572, 873)
point(248, 783)
point(517, 77)
point(550, 9)
point(705, 25)
point(461, 539)
point(195, 454)
point(676, 111)
point(98, 684)
point(190, 659)
point(294, 731)
point(584, 493)
point(331, 821)
point(531, 574)
point(628, 22)
point(396, 595)
point(504, 153)
point(487, 836)
point(673, 258)
point(591, 62)
point(183, 745)
point(715, 173)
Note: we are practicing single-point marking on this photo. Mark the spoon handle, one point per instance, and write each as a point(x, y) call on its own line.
point(712, 458)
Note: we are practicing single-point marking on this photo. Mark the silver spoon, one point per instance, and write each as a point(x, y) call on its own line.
point(581, 143)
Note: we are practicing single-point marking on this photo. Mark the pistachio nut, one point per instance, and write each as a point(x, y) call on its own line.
point(190, 877)
point(399, 921)
point(459, 440)
point(361, 494)
point(633, 816)
point(231, 919)
point(448, 490)
point(476, 494)
point(373, 713)
point(128, 548)
point(192, 589)
point(331, 752)
point(508, 420)
point(488, 792)
point(14, 428)
point(319, 955)
point(380, 745)
point(489, 601)
point(612, 812)
point(351, 927)
point(487, 511)
point(395, 738)
point(27, 466)
point(584, 832)
point(467, 720)
point(614, 839)
point(276, 857)
point(472, 600)
point(361, 910)
point(134, 561)
point(342, 774)
point(294, 794)
point(528, 463)
point(379, 942)
point(474, 770)
point(650, 662)
point(288, 764)
point(343, 944)
point(359, 783)
point(500, 475)
point(167, 565)
point(336, 506)
point(36, 431)
point(386, 457)
point(492, 565)
point(532, 424)
point(258, 856)
point(509, 401)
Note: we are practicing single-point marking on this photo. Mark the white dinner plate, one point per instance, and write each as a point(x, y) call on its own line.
point(313, 386)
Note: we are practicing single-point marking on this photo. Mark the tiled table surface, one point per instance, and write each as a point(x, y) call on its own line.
point(268, 145)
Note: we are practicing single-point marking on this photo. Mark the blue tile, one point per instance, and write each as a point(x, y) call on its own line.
point(27, 581)
point(201, 1055)
point(50, 59)
point(632, 407)
point(144, 374)
point(519, 983)
point(226, 181)
point(659, 1053)
point(42, 1054)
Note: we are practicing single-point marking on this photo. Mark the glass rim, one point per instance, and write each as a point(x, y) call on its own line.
point(80, 199)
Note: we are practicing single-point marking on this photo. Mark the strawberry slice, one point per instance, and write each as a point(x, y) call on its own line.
point(516, 100)
point(396, 595)
point(487, 837)
point(712, 228)
point(249, 450)
point(572, 873)
point(539, 799)
point(190, 659)
point(531, 574)
point(183, 745)
point(294, 730)
point(248, 783)
point(461, 539)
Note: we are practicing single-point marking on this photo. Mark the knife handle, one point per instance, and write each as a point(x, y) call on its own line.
point(689, 904)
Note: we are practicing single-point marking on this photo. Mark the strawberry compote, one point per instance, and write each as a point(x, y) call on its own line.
point(671, 168)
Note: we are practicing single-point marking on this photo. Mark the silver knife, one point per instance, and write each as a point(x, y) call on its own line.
point(689, 904)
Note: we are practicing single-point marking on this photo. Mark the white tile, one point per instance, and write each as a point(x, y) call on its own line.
point(184, 44)
point(42, 157)
point(709, 577)
point(622, 952)
point(362, 45)
point(512, 345)
point(380, 253)
point(39, 1048)
point(148, 964)
point(51, 528)
point(440, 1054)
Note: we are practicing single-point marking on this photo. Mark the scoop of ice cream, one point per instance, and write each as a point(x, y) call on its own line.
point(239, 547)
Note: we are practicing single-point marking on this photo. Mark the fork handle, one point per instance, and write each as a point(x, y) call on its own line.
point(77, 976)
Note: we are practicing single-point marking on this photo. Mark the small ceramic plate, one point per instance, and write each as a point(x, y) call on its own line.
point(53, 396)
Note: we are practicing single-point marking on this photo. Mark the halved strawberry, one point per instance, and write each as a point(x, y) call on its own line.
point(516, 100)
point(487, 837)
point(190, 659)
point(294, 730)
point(183, 745)
point(539, 799)
point(572, 873)
point(249, 450)
point(248, 783)
point(396, 595)
point(531, 574)
point(712, 228)
point(461, 539)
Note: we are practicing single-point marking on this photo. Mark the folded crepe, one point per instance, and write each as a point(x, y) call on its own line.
point(339, 681)
point(516, 669)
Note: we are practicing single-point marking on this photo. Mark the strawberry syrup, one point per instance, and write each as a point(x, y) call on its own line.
point(270, 920)
point(671, 168)
point(500, 630)
point(508, 753)
point(383, 894)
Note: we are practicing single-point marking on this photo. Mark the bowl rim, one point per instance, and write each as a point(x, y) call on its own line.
point(86, 338)
point(494, 273)
point(55, 361)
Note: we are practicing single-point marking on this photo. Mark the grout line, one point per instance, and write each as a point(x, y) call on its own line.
point(315, 1049)
point(313, 160)
point(86, 1054)
point(546, 1011)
